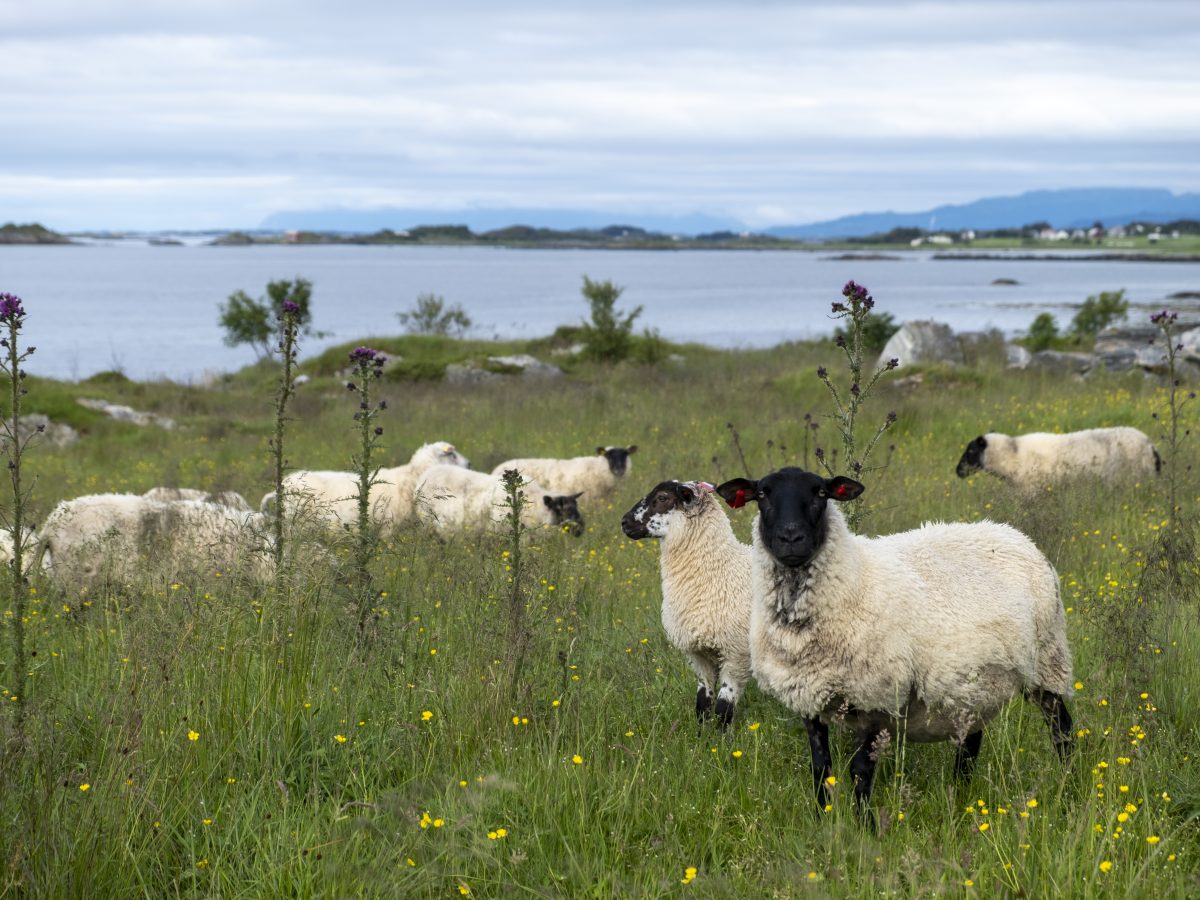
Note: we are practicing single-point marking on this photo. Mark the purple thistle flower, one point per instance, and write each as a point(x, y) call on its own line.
point(1166, 317)
point(290, 308)
point(10, 308)
point(362, 355)
point(822, 372)
point(857, 294)
point(840, 340)
point(892, 363)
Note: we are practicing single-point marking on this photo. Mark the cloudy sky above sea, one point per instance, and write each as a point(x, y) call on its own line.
point(157, 115)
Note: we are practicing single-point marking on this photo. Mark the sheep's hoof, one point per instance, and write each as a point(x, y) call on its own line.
point(724, 712)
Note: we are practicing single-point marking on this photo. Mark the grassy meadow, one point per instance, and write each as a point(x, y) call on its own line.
point(196, 734)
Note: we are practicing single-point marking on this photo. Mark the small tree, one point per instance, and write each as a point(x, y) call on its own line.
point(254, 322)
point(877, 330)
point(1098, 312)
point(608, 336)
point(1043, 333)
point(431, 315)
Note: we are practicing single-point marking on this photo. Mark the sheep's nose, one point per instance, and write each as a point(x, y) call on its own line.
point(792, 533)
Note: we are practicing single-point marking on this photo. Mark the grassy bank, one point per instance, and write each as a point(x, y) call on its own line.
point(200, 737)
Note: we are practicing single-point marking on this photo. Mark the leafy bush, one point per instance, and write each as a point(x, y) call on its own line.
point(431, 315)
point(608, 336)
point(877, 330)
point(253, 322)
point(1098, 312)
point(1043, 333)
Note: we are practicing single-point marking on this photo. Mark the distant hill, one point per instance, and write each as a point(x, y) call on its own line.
point(1070, 208)
point(367, 221)
point(33, 233)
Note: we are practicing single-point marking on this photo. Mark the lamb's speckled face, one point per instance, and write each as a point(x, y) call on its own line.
point(791, 509)
point(972, 458)
point(651, 516)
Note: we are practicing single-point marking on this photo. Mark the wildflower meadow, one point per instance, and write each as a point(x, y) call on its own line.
point(413, 716)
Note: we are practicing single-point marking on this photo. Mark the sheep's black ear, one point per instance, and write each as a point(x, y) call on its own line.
point(632, 448)
point(843, 488)
point(548, 500)
point(980, 442)
point(599, 451)
point(737, 491)
point(686, 494)
point(577, 496)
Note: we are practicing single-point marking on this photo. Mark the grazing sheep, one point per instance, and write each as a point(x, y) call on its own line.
point(705, 587)
point(593, 476)
point(232, 499)
point(332, 497)
point(450, 499)
point(926, 633)
point(1031, 460)
point(28, 542)
point(110, 535)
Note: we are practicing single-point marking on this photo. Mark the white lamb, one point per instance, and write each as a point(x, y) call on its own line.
point(1033, 460)
point(452, 500)
point(705, 587)
point(111, 536)
point(926, 633)
point(232, 499)
point(331, 497)
point(593, 476)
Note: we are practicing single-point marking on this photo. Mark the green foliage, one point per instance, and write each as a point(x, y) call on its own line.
point(1043, 333)
point(1098, 312)
point(432, 316)
point(608, 336)
point(253, 322)
point(877, 330)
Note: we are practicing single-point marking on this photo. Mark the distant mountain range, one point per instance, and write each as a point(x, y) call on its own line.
point(367, 221)
point(1069, 208)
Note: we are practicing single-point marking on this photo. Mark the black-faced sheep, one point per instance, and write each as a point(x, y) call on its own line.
point(450, 500)
point(1033, 460)
point(705, 587)
point(593, 476)
point(926, 633)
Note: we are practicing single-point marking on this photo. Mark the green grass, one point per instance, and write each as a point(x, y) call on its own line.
point(267, 801)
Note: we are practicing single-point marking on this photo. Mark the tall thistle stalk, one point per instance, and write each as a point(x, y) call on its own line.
point(518, 634)
point(848, 404)
point(12, 316)
point(289, 327)
point(368, 367)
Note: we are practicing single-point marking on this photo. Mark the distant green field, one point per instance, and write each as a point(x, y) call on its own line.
point(193, 735)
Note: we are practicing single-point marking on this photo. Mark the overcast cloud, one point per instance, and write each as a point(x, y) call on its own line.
point(216, 114)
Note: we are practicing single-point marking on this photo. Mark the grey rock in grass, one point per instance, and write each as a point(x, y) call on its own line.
point(459, 373)
point(1059, 362)
point(124, 413)
point(1017, 357)
point(529, 366)
point(923, 342)
point(38, 429)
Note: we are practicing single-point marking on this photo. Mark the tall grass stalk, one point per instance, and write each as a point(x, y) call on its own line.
point(12, 317)
point(289, 326)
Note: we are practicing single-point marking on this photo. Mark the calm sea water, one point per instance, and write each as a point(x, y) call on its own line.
point(151, 311)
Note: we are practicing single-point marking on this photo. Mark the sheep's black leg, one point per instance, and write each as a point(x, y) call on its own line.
point(965, 755)
point(818, 743)
point(862, 768)
point(726, 699)
point(703, 702)
point(1062, 731)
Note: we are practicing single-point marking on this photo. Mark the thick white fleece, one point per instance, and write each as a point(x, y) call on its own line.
point(1040, 457)
point(110, 534)
point(590, 475)
point(706, 587)
point(331, 497)
point(221, 498)
point(450, 499)
point(938, 626)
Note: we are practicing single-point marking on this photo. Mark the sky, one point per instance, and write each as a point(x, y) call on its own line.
point(195, 115)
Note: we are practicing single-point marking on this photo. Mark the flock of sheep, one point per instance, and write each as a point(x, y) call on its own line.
point(925, 634)
point(105, 537)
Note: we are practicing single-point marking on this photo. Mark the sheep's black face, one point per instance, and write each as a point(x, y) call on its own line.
point(649, 516)
point(618, 458)
point(564, 512)
point(972, 458)
point(791, 507)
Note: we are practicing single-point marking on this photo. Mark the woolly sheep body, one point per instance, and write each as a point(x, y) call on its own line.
point(331, 497)
point(1032, 460)
point(939, 626)
point(706, 592)
point(87, 537)
point(232, 499)
point(450, 499)
point(592, 476)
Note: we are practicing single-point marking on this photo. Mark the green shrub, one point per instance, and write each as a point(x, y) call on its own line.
point(608, 336)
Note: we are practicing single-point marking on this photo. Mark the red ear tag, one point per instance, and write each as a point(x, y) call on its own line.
point(739, 499)
point(840, 491)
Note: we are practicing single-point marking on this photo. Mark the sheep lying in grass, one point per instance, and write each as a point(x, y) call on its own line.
point(705, 587)
point(331, 497)
point(450, 499)
point(1032, 460)
point(112, 536)
point(593, 476)
point(926, 633)
point(232, 499)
